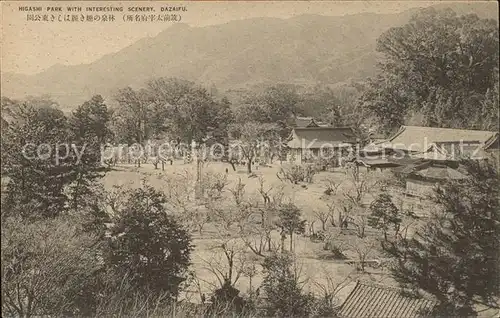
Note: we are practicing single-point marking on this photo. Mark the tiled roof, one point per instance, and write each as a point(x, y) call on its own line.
point(315, 137)
point(303, 122)
point(376, 162)
point(420, 139)
point(440, 172)
point(375, 301)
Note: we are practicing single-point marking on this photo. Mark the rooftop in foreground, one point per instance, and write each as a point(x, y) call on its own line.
point(377, 301)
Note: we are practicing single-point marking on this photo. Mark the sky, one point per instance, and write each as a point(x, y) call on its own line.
point(29, 47)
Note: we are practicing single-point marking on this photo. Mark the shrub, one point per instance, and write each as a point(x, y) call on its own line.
point(148, 244)
point(336, 251)
point(225, 300)
point(45, 265)
point(284, 297)
point(318, 236)
point(298, 173)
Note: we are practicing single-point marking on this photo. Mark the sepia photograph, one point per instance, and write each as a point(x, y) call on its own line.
point(289, 159)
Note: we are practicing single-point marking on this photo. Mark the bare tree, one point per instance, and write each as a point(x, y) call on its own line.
point(198, 217)
point(264, 193)
point(179, 190)
point(332, 187)
point(360, 222)
point(238, 192)
point(214, 184)
point(227, 262)
point(331, 213)
point(250, 135)
point(363, 249)
point(357, 191)
point(323, 216)
point(330, 289)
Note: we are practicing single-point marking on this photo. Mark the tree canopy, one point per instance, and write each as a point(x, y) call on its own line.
point(437, 70)
point(455, 255)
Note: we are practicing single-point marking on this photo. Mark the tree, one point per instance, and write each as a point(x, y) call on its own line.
point(148, 244)
point(45, 266)
point(226, 300)
point(454, 256)
point(323, 216)
point(89, 128)
point(188, 111)
point(283, 288)
point(320, 101)
point(227, 268)
point(253, 112)
point(131, 116)
point(439, 64)
point(257, 237)
point(363, 249)
point(281, 101)
point(488, 117)
point(384, 214)
point(252, 138)
point(359, 185)
point(289, 221)
point(37, 160)
point(7, 107)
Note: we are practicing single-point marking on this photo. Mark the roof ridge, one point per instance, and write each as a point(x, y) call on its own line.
point(312, 128)
point(400, 131)
point(491, 140)
point(446, 128)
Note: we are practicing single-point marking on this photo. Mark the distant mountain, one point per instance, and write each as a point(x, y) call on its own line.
point(306, 49)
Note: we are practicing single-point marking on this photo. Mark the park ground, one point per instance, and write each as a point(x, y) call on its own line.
point(318, 270)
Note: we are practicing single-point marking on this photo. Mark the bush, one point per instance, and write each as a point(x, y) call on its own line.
point(319, 236)
point(336, 251)
point(284, 297)
point(325, 307)
point(148, 245)
point(298, 173)
point(45, 266)
point(226, 300)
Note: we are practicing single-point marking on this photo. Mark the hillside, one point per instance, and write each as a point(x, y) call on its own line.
point(305, 49)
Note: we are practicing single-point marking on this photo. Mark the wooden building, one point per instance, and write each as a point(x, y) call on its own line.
point(308, 144)
point(443, 143)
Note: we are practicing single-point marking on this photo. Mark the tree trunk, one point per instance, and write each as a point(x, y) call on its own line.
point(283, 236)
point(76, 193)
point(249, 166)
point(291, 241)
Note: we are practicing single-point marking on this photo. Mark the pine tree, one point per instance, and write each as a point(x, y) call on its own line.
point(455, 255)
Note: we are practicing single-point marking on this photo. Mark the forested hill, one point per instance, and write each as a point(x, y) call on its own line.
point(306, 49)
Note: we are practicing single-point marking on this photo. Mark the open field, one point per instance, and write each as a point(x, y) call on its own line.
point(317, 267)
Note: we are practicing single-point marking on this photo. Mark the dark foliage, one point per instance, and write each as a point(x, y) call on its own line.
point(149, 245)
point(455, 255)
point(284, 296)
